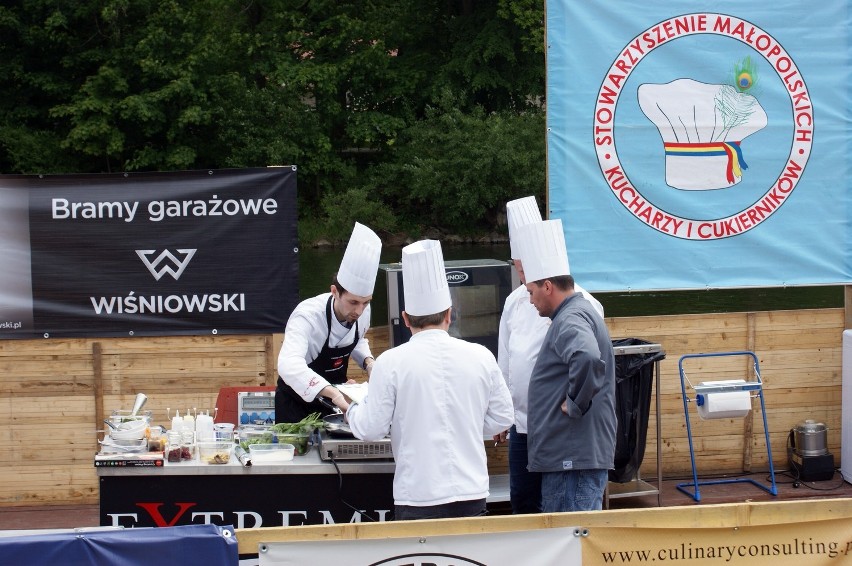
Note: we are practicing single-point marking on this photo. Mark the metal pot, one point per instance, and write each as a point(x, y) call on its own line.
point(809, 438)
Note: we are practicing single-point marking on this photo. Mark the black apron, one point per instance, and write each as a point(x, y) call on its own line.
point(331, 363)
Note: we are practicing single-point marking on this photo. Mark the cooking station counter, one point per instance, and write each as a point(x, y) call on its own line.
point(308, 490)
point(310, 463)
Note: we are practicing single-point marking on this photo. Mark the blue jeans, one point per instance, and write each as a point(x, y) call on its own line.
point(573, 490)
point(524, 486)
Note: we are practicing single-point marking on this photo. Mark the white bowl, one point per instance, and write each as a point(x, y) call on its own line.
point(132, 430)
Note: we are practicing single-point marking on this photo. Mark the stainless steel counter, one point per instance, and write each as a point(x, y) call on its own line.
point(309, 463)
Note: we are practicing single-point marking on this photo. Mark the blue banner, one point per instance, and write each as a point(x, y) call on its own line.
point(210, 545)
point(700, 145)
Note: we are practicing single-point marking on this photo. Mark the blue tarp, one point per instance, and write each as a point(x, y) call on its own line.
point(210, 545)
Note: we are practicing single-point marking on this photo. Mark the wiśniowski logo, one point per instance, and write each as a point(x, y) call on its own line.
point(164, 262)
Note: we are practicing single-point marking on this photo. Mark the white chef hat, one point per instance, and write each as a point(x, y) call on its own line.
point(542, 250)
point(357, 273)
point(424, 278)
point(702, 126)
point(520, 212)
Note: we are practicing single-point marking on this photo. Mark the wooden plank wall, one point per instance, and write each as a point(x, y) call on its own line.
point(799, 354)
point(55, 393)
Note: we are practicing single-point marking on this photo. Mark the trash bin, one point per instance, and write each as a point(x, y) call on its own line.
point(634, 375)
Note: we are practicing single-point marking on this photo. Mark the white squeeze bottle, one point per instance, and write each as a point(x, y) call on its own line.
point(177, 422)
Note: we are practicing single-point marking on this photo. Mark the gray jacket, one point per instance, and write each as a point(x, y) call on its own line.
point(576, 363)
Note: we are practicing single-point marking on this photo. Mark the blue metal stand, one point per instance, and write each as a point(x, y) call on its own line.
point(718, 387)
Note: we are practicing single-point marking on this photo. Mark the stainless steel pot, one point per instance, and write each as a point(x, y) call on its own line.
point(809, 438)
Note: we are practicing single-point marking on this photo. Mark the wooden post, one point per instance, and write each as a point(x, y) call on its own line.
point(98, 384)
point(847, 295)
point(269, 346)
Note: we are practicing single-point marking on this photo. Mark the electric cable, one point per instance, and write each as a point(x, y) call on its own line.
point(340, 492)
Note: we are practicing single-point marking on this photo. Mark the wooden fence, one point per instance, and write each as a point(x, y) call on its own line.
point(56, 393)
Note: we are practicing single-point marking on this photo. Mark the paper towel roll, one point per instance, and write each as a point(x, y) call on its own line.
point(726, 405)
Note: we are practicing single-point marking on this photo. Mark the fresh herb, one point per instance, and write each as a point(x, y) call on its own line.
point(306, 425)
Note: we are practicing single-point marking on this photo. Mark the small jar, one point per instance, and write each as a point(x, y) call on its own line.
point(157, 440)
point(187, 445)
point(173, 446)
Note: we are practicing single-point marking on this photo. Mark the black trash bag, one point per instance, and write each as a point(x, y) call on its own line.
point(634, 376)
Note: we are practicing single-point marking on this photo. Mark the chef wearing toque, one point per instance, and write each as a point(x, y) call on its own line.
point(324, 331)
point(520, 336)
point(571, 422)
point(438, 397)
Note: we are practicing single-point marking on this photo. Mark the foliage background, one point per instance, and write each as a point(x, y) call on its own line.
point(410, 116)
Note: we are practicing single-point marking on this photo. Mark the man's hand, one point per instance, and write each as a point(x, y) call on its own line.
point(336, 397)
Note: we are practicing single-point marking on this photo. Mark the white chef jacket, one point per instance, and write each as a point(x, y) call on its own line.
point(304, 337)
point(439, 397)
point(519, 340)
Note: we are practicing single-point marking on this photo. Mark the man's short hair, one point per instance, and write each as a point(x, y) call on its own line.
point(427, 319)
point(561, 282)
point(340, 288)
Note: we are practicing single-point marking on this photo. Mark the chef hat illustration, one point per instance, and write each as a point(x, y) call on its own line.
point(702, 126)
point(424, 278)
point(520, 212)
point(542, 250)
point(360, 263)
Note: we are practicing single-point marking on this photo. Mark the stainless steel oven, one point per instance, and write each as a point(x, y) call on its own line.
point(478, 288)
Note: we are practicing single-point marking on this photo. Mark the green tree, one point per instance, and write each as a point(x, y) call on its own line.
point(338, 88)
point(455, 170)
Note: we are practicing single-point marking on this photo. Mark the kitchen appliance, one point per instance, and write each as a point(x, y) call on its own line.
point(807, 452)
point(341, 448)
point(244, 405)
point(478, 289)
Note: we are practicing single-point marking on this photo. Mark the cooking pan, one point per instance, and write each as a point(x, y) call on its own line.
point(335, 425)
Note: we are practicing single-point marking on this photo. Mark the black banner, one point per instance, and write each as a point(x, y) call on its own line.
point(191, 252)
point(261, 500)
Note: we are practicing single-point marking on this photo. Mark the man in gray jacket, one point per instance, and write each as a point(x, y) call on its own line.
point(572, 420)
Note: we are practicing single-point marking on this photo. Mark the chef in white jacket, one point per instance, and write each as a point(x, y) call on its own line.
point(521, 333)
point(438, 397)
point(323, 332)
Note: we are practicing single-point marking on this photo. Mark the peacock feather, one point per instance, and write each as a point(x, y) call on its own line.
point(745, 75)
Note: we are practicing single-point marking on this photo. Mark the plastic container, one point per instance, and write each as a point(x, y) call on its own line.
point(249, 438)
point(215, 452)
point(157, 439)
point(113, 446)
point(299, 440)
point(271, 453)
point(224, 431)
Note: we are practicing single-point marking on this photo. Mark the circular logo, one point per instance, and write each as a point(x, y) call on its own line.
point(693, 163)
point(427, 559)
point(456, 277)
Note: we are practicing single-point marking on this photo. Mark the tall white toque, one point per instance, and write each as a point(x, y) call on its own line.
point(424, 278)
point(520, 212)
point(360, 263)
point(702, 126)
point(542, 250)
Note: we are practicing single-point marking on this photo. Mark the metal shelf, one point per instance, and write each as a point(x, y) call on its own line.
point(637, 486)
